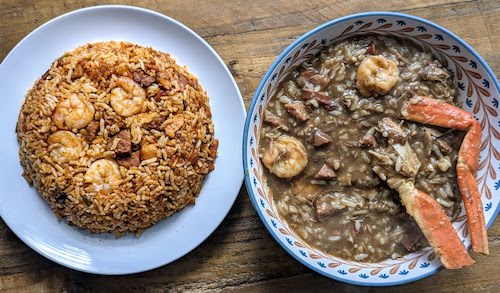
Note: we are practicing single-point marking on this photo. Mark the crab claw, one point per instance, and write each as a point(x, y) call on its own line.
point(427, 212)
point(439, 113)
point(433, 222)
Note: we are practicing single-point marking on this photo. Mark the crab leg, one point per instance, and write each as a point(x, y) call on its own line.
point(439, 113)
point(434, 223)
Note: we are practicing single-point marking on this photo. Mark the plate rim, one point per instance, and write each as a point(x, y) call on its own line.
point(92, 270)
point(255, 99)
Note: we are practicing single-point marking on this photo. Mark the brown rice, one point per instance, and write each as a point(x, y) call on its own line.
point(173, 136)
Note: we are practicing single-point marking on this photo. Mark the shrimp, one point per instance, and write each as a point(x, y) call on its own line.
point(128, 97)
point(73, 112)
point(68, 148)
point(103, 174)
point(285, 157)
point(376, 74)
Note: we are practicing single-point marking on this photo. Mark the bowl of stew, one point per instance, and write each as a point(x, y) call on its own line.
point(330, 140)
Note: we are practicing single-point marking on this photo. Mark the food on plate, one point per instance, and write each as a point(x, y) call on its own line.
point(115, 137)
point(367, 155)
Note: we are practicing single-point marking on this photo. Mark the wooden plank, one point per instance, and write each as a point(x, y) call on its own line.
point(241, 255)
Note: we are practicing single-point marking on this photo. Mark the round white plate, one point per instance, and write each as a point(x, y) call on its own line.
point(29, 216)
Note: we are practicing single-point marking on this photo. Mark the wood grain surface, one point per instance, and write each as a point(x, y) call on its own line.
point(241, 255)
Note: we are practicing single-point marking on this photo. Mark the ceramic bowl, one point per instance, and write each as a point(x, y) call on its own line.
point(478, 94)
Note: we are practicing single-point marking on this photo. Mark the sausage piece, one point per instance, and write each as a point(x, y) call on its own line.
point(133, 160)
point(124, 146)
point(298, 111)
point(142, 78)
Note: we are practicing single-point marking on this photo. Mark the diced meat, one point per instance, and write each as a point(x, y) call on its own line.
point(101, 71)
point(443, 146)
point(142, 78)
point(298, 110)
point(272, 119)
point(183, 81)
point(77, 72)
point(112, 120)
point(175, 124)
point(368, 140)
point(371, 49)
point(124, 146)
point(305, 76)
point(321, 138)
point(308, 72)
point(212, 150)
point(156, 123)
point(434, 73)
point(148, 151)
point(327, 205)
point(91, 131)
point(320, 80)
point(325, 173)
point(307, 94)
point(132, 160)
point(389, 128)
point(159, 94)
point(322, 97)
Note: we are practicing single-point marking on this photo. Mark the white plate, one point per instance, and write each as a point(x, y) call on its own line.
point(30, 217)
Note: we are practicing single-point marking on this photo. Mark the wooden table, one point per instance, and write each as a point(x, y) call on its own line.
point(240, 254)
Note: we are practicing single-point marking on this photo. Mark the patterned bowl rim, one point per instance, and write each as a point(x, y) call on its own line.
point(254, 102)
